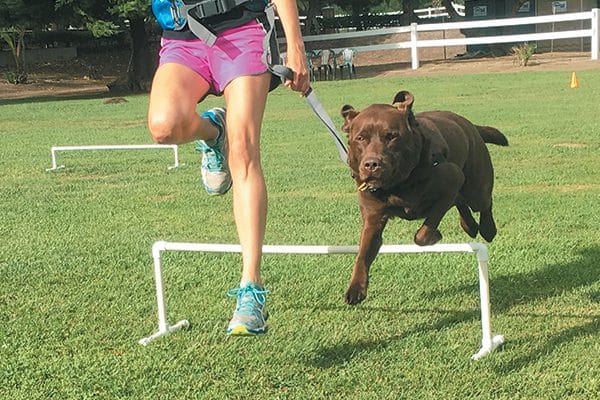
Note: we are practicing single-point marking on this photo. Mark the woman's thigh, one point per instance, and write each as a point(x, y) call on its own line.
point(175, 92)
point(246, 98)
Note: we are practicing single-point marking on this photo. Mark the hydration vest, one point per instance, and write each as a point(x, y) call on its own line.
point(206, 18)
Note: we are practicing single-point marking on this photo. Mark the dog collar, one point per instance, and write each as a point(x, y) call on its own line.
point(366, 187)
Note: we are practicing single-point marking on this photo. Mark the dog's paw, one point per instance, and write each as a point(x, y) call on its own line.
point(471, 230)
point(488, 232)
point(427, 237)
point(355, 294)
point(487, 226)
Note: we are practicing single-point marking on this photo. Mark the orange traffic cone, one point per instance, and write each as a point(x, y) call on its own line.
point(574, 84)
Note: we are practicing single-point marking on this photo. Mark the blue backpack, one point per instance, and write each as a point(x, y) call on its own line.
point(170, 14)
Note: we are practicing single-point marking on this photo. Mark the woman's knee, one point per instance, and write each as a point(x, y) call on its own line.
point(164, 128)
point(243, 157)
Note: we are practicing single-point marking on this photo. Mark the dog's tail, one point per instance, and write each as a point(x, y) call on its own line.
point(492, 135)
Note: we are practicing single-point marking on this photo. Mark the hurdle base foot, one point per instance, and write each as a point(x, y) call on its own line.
point(497, 341)
point(175, 166)
point(183, 324)
point(55, 168)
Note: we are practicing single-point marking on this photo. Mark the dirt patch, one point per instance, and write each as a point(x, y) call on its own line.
point(463, 65)
point(87, 75)
point(90, 75)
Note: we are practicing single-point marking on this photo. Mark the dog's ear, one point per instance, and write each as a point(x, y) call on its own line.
point(403, 101)
point(348, 113)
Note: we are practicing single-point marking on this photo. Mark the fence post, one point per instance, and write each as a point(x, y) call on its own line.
point(595, 33)
point(414, 50)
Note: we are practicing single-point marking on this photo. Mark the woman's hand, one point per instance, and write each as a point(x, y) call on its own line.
point(296, 60)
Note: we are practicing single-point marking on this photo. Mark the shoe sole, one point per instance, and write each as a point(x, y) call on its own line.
point(216, 192)
point(241, 330)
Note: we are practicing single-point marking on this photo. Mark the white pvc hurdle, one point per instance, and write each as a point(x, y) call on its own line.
point(55, 149)
point(488, 341)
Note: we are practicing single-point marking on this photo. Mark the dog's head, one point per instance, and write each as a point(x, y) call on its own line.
point(384, 147)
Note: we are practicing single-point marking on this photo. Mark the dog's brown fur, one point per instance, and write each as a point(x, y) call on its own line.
point(416, 166)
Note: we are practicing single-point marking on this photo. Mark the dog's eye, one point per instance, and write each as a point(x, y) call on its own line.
point(389, 136)
point(360, 138)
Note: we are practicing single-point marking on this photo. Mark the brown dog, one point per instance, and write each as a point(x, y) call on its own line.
point(416, 166)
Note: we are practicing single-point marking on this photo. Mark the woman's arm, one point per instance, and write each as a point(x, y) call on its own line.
point(287, 10)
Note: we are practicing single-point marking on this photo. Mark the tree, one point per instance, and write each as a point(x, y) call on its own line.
point(311, 8)
point(140, 68)
point(16, 18)
point(104, 18)
point(357, 7)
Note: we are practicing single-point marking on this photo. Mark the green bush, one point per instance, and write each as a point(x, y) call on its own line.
point(522, 53)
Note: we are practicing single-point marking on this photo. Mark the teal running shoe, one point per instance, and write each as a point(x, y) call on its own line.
point(215, 171)
point(250, 315)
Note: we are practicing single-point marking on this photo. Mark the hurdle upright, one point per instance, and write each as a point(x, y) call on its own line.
point(55, 149)
point(489, 342)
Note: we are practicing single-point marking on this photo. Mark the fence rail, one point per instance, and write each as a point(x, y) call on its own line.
point(414, 43)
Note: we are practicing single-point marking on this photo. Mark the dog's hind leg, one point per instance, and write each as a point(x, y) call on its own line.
point(487, 226)
point(467, 222)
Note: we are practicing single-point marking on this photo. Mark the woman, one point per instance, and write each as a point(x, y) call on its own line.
point(236, 66)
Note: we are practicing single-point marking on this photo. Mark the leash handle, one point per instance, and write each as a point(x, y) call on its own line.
point(286, 74)
point(282, 72)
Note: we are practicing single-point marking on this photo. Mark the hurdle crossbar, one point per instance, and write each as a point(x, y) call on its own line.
point(489, 342)
point(55, 149)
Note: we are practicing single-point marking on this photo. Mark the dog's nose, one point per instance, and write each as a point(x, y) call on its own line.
point(371, 164)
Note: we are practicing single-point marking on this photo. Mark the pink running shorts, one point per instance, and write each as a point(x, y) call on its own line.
point(237, 52)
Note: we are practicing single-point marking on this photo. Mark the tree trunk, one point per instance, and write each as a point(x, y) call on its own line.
point(140, 68)
point(20, 58)
point(408, 15)
point(312, 26)
point(17, 48)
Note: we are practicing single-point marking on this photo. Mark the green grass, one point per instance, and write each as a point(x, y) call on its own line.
point(77, 289)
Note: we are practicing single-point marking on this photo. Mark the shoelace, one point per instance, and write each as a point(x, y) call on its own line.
point(214, 158)
point(247, 307)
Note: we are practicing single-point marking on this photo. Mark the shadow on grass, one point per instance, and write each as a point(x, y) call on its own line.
point(90, 95)
point(506, 292)
point(342, 353)
point(550, 281)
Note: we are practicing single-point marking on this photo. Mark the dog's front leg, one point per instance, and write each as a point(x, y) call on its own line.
point(445, 184)
point(374, 221)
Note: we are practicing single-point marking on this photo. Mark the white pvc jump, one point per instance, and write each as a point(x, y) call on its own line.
point(488, 341)
point(55, 149)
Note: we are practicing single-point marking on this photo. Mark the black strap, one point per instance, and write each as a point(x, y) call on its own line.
point(195, 13)
point(209, 8)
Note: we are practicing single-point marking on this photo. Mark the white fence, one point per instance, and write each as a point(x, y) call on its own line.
point(435, 12)
point(414, 44)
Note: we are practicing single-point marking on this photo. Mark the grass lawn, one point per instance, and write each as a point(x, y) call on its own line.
point(77, 288)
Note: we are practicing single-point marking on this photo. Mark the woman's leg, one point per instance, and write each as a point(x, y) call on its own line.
point(246, 98)
point(172, 116)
